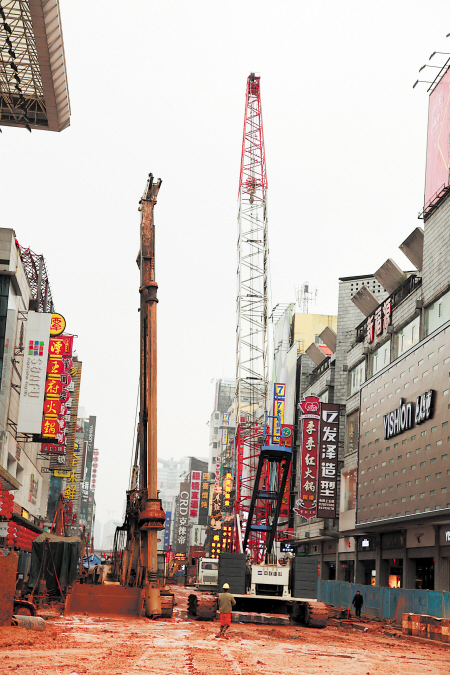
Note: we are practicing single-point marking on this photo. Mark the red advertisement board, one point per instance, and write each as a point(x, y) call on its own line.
point(437, 174)
point(306, 505)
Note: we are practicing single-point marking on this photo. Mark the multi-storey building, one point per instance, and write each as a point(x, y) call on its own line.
point(23, 471)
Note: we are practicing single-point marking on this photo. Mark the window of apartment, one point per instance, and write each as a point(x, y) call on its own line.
point(215, 445)
point(357, 376)
point(379, 358)
point(437, 313)
point(407, 337)
point(216, 430)
point(216, 416)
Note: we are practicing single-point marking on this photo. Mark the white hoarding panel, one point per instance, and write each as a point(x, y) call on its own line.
point(34, 373)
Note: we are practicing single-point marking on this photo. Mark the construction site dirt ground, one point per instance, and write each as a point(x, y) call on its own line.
point(113, 645)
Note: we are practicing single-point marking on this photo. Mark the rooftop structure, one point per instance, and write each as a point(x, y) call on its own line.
point(33, 79)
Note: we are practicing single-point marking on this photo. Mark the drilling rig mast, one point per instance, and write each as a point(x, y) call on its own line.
point(251, 314)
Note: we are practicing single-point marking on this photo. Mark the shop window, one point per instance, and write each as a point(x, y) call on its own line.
point(380, 358)
point(357, 376)
point(407, 337)
point(437, 313)
point(348, 490)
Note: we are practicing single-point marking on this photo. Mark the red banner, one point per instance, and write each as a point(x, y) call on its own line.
point(307, 503)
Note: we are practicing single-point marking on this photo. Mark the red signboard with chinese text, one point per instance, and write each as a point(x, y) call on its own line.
point(55, 368)
point(52, 407)
point(60, 346)
point(438, 159)
point(328, 461)
point(53, 388)
point(379, 321)
point(306, 505)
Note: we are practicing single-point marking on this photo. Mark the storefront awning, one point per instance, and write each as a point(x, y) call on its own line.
point(7, 481)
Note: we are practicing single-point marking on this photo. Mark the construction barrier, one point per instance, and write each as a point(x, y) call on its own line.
point(385, 603)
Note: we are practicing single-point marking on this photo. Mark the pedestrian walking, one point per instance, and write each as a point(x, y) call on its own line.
point(358, 602)
point(226, 603)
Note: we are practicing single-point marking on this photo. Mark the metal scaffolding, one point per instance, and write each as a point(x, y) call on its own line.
point(33, 80)
point(251, 315)
point(37, 276)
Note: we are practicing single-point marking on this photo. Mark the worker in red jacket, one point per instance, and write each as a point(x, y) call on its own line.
point(226, 603)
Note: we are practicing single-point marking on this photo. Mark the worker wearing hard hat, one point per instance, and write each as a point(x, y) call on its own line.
point(226, 603)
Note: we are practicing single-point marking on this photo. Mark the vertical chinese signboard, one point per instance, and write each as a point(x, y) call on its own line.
point(181, 541)
point(196, 479)
point(204, 500)
point(34, 373)
point(167, 526)
point(328, 458)
point(307, 502)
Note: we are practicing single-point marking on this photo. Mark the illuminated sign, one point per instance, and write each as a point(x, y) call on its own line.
point(57, 324)
point(306, 505)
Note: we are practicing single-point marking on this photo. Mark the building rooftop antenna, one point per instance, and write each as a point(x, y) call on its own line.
point(306, 295)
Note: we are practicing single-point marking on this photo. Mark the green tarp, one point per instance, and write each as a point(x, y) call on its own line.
point(54, 559)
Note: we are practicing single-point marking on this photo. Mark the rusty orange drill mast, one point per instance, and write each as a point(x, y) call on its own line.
point(151, 516)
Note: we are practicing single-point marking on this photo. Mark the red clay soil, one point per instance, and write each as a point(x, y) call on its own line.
point(118, 646)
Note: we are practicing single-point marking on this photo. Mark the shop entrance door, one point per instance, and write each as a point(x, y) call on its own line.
point(425, 574)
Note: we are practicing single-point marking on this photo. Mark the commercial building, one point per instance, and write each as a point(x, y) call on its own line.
point(392, 384)
point(22, 467)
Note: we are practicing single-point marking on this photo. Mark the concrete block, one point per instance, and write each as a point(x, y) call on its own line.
point(365, 301)
point(390, 275)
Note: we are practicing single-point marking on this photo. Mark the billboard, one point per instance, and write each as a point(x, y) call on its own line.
point(438, 157)
point(34, 373)
point(182, 533)
point(328, 461)
point(307, 503)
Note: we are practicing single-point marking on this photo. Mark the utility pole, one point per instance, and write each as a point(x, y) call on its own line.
point(152, 516)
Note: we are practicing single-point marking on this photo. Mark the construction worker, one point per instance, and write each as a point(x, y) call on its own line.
point(226, 603)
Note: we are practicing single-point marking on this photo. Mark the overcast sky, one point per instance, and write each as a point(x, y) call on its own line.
point(159, 87)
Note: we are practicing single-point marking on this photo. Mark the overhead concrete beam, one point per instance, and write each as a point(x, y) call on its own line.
point(315, 354)
point(329, 337)
point(365, 301)
point(412, 247)
point(390, 276)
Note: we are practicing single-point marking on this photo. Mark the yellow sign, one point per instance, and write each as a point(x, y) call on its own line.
point(61, 474)
point(25, 514)
point(57, 324)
